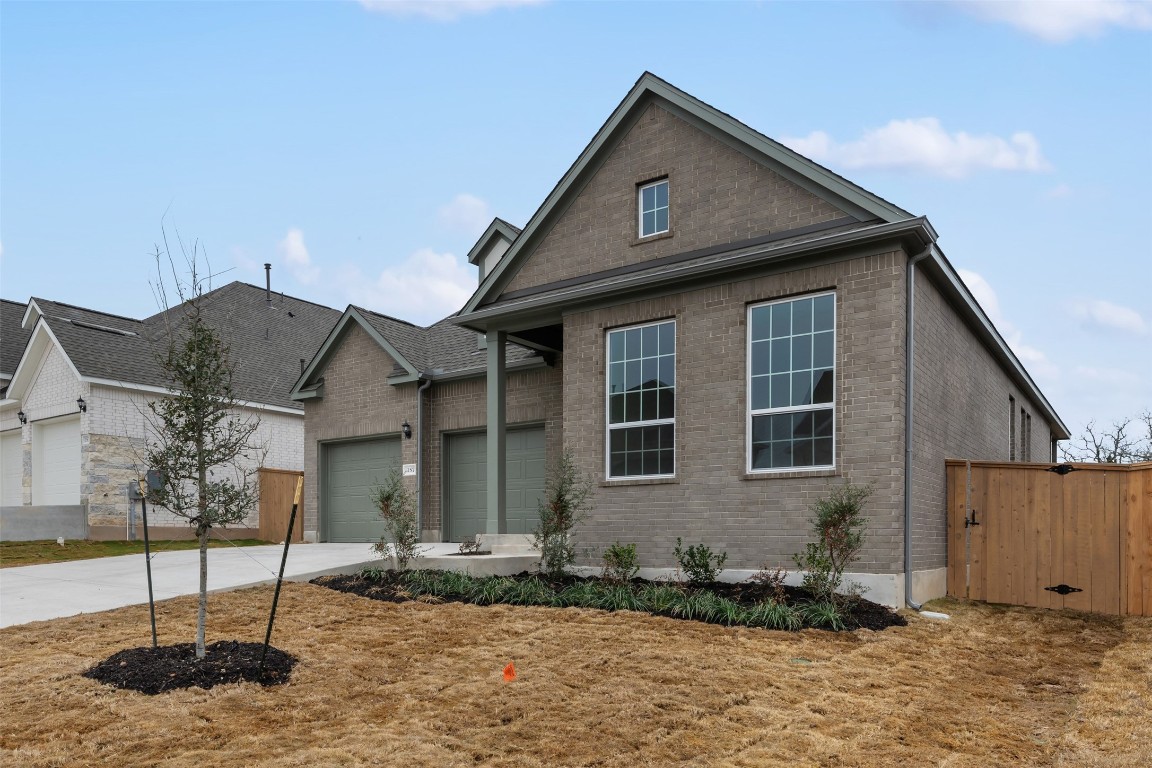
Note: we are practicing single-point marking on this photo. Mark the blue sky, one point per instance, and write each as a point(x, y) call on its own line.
point(361, 147)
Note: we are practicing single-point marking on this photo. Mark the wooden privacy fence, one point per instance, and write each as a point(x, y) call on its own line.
point(1053, 536)
point(277, 489)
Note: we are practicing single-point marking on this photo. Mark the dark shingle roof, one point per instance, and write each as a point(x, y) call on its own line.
point(13, 338)
point(266, 342)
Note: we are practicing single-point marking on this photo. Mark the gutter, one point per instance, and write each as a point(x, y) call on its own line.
point(909, 375)
point(420, 454)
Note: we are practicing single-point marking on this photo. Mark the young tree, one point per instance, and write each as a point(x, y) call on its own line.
point(201, 445)
point(1113, 445)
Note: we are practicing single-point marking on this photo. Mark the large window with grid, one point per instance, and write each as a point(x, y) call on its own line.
point(642, 401)
point(791, 383)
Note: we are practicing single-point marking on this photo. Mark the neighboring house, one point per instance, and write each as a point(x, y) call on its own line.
point(722, 331)
point(73, 418)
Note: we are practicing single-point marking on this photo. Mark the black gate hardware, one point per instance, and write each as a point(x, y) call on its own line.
point(1062, 589)
point(971, 521)
point(1062, 469)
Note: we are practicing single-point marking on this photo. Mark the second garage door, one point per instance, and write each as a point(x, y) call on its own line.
point(466, 467)
point(351, 471)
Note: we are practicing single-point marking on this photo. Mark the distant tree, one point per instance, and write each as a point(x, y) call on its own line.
point(199, 442)
point(1127, 441)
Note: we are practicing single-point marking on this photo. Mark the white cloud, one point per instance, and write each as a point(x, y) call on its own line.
point(426, 287)
point(442, 10)
point(1109, 316)
point(1059, 22)
point(1037, 363)
point(922, 145)
point(466, 213)
point(295, 255)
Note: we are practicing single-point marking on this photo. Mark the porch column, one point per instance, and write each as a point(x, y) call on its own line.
point(497, 425)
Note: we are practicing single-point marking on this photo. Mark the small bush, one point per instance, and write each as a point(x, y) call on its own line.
point(773, 579)
point(838, 523)
point(398, 510)
point(699, 563)
point(564, 506)
point(620, 563)
point(470, 545)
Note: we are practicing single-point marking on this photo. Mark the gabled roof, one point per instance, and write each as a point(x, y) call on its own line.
point(443, 350)
point(497, 230)
point(13, 336)
point(857, 201)
point(266, 341)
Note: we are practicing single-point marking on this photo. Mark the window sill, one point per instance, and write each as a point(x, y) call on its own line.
point(638, 481)
point(788, 474)
point(652, 238)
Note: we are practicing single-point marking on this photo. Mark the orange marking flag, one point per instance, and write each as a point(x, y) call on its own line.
point(509, 673)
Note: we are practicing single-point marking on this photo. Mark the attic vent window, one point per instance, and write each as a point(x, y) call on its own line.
point(653, 199)
point(101, 328)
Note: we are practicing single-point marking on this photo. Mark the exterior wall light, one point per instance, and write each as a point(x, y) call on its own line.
point(407, 429)
point(23, 417)
point(83, 406)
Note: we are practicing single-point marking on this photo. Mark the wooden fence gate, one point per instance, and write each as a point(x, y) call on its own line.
point(1052, 536)
point(277, 490)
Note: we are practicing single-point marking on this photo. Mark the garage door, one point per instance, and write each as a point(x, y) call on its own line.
point(11, 469)
point(467, 467)
point(56, 462)
point(351, 471)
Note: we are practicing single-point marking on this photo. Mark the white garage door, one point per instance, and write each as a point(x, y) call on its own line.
point(11, 469)
point(56, 462)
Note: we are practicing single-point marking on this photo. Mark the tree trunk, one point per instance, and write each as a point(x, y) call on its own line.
point(202, 614)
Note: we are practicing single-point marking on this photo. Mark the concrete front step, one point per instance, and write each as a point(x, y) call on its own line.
point(508, 543)
point(480, 565)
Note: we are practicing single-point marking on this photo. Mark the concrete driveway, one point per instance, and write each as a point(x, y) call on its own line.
point(37, 592)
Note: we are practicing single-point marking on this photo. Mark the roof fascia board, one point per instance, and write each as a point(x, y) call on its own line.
point(168, 393)
point(986, 330)
point(34, 354)
point(320, 360)
point(498, 228)
point(32, 311)
point(743, 259)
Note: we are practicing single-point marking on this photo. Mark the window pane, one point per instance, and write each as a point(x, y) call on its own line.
point(667, 371)
point(650, 373)
point(647, 198)
point(823, 309)
point(761, 429)
point(781, 355)
point(762, 457)
point(650, 346)
point(632, 375)
point(760, 350)
point(760, 323)
point(667, 462)
point(801, 352)
point(651, 462)
point(667, 338)
point(661, 194)
point(616, 440)
point(632, 406)
point(781, 391)
point(822, 350)
point(781, 320)
point(616, 346)
point(801, 388)
point(651, 437)
point(781, 455)
point(822, 455)
point(823, 423)
point(802, 316)
point(822, 391)
point(782, 427)
point(759, 392)
point(618, 465)
point(649, 223)
point(648, 405)
point(802, 453)
point(616, 378)
point(801, 425)
point(667, 399)
point(635, 463)
point(615, 409)
point(661, 220)
point(632, 344)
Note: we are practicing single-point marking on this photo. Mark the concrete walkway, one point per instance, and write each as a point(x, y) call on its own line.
point(37, 592)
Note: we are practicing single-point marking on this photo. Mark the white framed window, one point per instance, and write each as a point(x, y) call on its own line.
point(653, 206)
point(792, 384)
point(641, 401)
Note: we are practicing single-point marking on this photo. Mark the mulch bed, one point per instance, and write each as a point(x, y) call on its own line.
point(857, 614)
point(155, 670)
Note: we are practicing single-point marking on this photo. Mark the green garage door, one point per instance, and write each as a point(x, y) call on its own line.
point(351, 471)
point(466, 469)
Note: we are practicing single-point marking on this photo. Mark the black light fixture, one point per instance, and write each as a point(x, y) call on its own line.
point(23, 417)
point(407, 429)
point(83, 406)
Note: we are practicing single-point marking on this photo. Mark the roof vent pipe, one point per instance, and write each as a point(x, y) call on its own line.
point(268, 283)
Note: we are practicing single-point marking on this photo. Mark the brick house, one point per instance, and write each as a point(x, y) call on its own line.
point(76, 384)
point(719, 330)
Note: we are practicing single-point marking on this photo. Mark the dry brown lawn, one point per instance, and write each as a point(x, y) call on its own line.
point(414, 685)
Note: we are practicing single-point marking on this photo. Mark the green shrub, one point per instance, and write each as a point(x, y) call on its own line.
point(838, 524)
point(620, 562)
point(398, 510)
point(564, 506)
point(699, 563)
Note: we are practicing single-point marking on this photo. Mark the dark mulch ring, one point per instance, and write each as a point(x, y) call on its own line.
point(155, 670)
point(858, 613)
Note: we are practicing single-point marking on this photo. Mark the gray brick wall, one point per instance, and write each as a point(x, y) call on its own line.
point(755, 518)
point(358, 402)
point(716, 195)
point(960, 411)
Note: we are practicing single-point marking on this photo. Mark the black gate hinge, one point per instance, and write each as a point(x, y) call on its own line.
point(1062, 469)
point(1062, 589)
point(970, 521)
